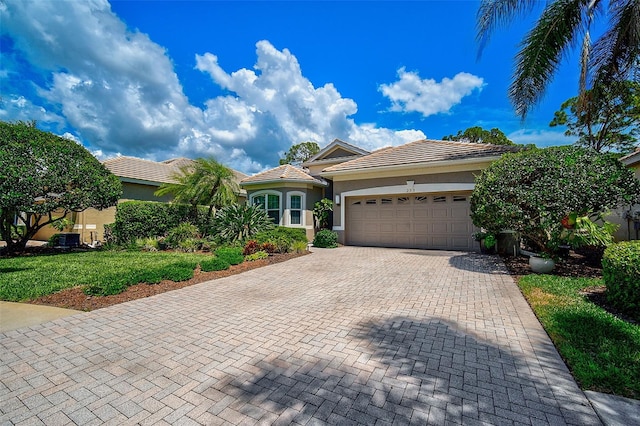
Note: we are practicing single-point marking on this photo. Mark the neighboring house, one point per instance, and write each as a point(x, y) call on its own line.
point(629, 218)
point(140, 179)
point(415, 195)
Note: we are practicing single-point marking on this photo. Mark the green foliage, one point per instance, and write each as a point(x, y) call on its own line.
point(205, 182)
point(61, 224)
point(299, 247)
point(621, 273)
point(477, 134)
point(561, 26)
point(300, 153)
point(148, 244)
point(281, 239)
point(326, 239)
point(532, 191)
point(600, 349)
point(28, 277)
point(180, 234)
point(256, 256)
point(605, 118)
point(142, 219)
point(233, 255)
point(251, 247)
point(321, 212)
point(214, 264)
point(53, 240)
point(240, 222)
point(41, 173)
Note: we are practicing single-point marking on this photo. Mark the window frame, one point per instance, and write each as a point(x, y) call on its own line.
point(266, 195)
point(302, 209)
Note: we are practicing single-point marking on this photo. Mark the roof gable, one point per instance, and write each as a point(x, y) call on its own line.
point(419, 152)
point(337, 149)
point(284, 173)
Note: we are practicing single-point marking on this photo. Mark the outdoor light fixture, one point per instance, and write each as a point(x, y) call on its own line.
point(337, 199)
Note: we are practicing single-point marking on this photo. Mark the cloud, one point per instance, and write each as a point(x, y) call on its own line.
point(117, 91)
point(541, 138)
point(428, 97)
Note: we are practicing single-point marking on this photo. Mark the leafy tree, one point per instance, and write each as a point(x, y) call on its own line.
point(607, 119)
point(42, 174)
point(300, 153)
point(535, 192)
point(205, 182)
point(562, 25)
point(477, 134)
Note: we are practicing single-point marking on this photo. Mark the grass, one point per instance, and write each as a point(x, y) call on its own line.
point(103, 272)
point(602, 351)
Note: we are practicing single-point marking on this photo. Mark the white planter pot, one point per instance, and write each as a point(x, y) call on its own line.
point(540, 265)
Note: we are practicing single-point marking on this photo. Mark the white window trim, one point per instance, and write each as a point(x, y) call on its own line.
point(269, 192)
point(287, 212)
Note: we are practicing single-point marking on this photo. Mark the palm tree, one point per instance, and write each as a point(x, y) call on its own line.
point(205, 182)
point(615, 56)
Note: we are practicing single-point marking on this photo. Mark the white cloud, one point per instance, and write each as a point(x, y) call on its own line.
point(428, 97)
point(117, 91)
point(541, 138)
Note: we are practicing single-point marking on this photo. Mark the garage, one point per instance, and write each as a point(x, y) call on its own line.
point(427, 221)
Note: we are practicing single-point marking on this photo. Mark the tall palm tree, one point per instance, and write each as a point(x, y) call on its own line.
point(205, 182)
point(563, 24)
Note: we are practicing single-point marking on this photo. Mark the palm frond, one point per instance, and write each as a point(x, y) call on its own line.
point(498, 13)
point(543, 49)
point(616, 54)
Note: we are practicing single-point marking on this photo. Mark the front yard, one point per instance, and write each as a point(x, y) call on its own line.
point(601, 349)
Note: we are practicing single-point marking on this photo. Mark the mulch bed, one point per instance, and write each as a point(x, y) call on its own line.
point(74, 298)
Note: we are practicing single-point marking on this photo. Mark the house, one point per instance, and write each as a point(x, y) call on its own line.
point(414, 195)
point(140, 179)
point(629, 218)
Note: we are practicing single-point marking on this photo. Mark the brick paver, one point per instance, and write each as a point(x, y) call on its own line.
point(345, 336)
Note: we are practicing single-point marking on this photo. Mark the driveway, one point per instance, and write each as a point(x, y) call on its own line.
point(344, 336)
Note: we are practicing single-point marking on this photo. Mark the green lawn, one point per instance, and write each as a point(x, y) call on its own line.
point(602, 351)
point(107, 272)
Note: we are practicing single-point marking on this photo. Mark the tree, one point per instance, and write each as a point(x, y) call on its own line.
point(538, 192)
point(205, 182)
point(479, 135)
point(300, 153)
point(562, 23)
point(42, 174)
point(608, 120)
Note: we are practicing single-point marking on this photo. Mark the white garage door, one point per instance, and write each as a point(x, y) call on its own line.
point(429, 221)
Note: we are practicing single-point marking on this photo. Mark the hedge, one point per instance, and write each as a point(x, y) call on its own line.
point(621, 273)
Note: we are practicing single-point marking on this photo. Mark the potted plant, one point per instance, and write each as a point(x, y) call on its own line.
point(487, 241)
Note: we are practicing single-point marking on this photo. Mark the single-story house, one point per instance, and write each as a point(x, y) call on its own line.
point(140, 179)
point(414, 195)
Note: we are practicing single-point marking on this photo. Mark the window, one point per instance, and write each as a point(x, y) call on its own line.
point(270, 202)
point(457, 198)
point(386, 201)
point(403, 200)
point(371, 201)
point(440, 199)
point(420, 200)
point(295, 209)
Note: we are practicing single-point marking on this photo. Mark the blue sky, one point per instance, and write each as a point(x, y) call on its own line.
point(243, 81)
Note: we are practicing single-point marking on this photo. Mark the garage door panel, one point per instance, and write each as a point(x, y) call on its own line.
point(429, 221)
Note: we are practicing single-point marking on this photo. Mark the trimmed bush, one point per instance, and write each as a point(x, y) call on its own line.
point(180, 234)
point(214, 264)
point(233, 255)
point(281, 239)
point(256, 256)
point(621, 273)
point(326, 239)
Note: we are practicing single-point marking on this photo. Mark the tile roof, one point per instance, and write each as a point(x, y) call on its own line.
point(632, 158)
point(152, 171)
point(284, 173)
point(422, 151)
point(337, 143)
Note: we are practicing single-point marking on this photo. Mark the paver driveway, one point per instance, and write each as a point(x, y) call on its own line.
point(352, 335)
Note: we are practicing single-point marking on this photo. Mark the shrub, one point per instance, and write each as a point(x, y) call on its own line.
point(250, 247)
point(214, 264)
point(190, 245)
point(240, 222)
point(105, 289)
point(233, 255)
point(321, 213)
point(53, 240)
point(621, 273)
point(299, 247)
point(147, 244)
point(269, 247)
point(181, 233)
point(281, 239)
point(256, 256)
point(532, 191)
point(326, 239)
